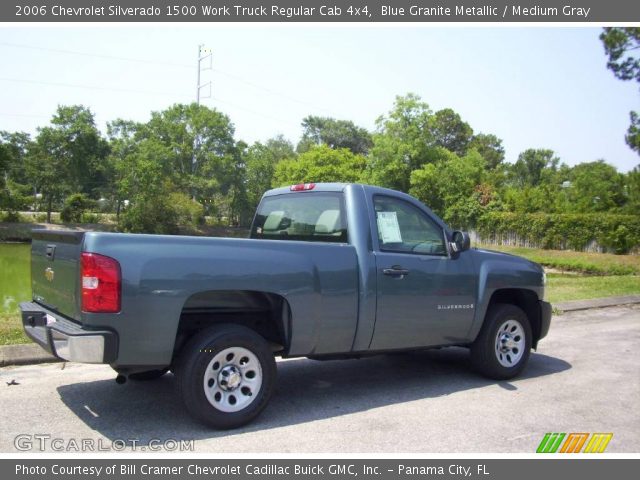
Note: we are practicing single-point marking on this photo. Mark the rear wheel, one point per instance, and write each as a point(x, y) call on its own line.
point(226, 376)
point(503, 346)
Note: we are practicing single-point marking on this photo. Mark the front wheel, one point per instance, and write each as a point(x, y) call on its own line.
point(226, 376)
point(503, 345)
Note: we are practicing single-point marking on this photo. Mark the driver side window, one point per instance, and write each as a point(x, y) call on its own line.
point(404, 228)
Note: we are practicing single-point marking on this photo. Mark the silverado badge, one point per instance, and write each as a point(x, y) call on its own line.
point(49, 274)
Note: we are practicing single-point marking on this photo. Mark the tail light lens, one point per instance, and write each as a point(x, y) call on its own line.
point(101, 283)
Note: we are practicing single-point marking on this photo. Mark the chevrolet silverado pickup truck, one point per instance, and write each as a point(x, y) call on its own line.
point(330, 271)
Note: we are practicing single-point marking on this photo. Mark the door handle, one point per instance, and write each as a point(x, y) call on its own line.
point(395, 271)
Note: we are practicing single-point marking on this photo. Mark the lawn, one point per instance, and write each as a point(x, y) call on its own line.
point(11, 329)
point(563, 288)
point(589, 263)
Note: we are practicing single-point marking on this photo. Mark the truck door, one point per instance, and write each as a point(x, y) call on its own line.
point(425, 297)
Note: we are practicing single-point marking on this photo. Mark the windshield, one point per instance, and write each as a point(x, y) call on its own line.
point(312, 217)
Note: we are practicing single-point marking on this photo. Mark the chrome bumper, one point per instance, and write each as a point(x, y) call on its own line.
point(66, 339)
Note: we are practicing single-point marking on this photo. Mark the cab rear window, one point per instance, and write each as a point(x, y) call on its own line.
point(311, 217)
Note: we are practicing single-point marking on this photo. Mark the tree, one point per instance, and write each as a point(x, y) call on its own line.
point(202, 152)
point(454, 187)
point(622, 45)
point(403, 142)
point(335, 134)
point(528, 169)
point(320, 164)
point(596, 187)
point(14, 184)
point(450, 132)
point(490, 147)
point(261, 161)
point(68, 156)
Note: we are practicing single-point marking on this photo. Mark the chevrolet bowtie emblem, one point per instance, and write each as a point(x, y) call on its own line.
point(49, 274)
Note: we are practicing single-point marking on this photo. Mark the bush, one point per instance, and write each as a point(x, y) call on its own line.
point(150, 215)
point(616, 233)
point(74, 207)
point(90, 218)
point(11, 217)
point(189, 212)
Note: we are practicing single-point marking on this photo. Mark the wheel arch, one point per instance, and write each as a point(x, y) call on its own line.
point(266, 313)
point(524, 298)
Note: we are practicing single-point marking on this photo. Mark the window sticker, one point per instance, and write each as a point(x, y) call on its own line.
point(388, 227)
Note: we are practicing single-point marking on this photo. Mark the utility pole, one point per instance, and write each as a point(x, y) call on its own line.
point(203, 54)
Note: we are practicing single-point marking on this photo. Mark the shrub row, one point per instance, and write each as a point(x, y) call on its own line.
point(615, 233)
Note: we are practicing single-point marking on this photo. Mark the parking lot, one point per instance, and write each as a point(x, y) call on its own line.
point(585, 377)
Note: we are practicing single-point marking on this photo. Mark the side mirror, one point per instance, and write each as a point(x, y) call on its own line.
point(460, 241)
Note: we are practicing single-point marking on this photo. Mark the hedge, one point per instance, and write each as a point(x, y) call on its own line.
point(615, 233)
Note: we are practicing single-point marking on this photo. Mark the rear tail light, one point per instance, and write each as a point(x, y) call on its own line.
point(301, 187)
point(101, 283)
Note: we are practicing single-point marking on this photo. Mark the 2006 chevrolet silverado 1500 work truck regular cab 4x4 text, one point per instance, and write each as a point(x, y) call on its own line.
point(329, 271)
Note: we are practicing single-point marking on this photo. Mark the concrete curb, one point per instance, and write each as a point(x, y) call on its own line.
point(577, 305)
point(24, 354)
point(30, 353)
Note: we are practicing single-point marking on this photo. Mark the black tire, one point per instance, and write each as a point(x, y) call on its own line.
point(148, 375)
point(197, 365)
point(486, 356)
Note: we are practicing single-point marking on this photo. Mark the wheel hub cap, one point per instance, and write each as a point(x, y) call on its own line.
point(510, 343)
point(230, 378)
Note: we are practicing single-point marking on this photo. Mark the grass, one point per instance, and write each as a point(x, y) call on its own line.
point(562, 288)
point(11, 329)
point(581, 262)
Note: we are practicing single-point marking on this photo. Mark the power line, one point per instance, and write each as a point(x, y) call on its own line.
point(90, 87)
point(156, 62)
point(97, 55)
point(127, 90)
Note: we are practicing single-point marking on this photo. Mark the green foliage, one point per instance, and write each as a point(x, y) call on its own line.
point(403, 143)
point(320, 164)
point(452, 187)
point(90, 218)
point(580, 262)
point(490, 147)
point(75, 207)
point(188, 212)
point(261, 161)
point(595, 187)
point(622, 46)
point(619, 233)
point(450, 132)
point(531, 165)
point(67, 157)
point(335, 134)
point(11, 217)
point(150, 214)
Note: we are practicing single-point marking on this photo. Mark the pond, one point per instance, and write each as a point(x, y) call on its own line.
point(15, 276)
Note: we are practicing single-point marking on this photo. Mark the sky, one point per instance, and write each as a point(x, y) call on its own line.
point(533, 87)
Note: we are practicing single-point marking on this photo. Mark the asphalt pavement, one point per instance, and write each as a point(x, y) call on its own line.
point(585, 377)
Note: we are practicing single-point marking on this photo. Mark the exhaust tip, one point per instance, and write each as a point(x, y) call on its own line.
point(121, 379)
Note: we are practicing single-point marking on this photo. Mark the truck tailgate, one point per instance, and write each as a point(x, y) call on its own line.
point(55, 263)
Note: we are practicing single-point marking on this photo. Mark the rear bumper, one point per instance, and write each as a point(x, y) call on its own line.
point(66, 339)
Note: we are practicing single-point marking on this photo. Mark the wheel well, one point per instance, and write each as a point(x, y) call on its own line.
point(265, 313)
point(527, 301)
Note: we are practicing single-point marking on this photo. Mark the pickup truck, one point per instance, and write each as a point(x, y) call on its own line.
point(330, 271)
